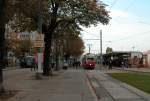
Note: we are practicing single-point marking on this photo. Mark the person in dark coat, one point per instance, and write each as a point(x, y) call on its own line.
point(34, 65)
point(110, 64)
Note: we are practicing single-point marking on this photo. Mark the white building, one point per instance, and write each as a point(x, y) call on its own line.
point(28, 35)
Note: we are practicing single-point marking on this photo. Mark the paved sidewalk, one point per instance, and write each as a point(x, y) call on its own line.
point(69, 85)
point(109, 89)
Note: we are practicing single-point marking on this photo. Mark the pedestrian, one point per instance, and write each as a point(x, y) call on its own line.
point(123, 64)
point(34, 65)
point(52, 65)
point(110, 64)
point(76, 64)
point(126, 64)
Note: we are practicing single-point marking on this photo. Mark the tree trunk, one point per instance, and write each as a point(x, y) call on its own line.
point(1, 82)
point(47, 51)
point(2, 43)
point(48, 39)
point(56, 57)
point(2, 60)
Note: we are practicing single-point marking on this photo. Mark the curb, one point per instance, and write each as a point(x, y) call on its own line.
point(11, 68)
point(131, 70)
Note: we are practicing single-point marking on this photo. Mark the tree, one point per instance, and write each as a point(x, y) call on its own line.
point(73, 45)
point(12, 41)
point(7, 11)
point(76, 47)
point(56, 13)
point(109, 50)
point(24, 47)
point(69, 41)
point(81, 12)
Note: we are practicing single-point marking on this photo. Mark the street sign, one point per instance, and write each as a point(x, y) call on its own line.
point(39, 42)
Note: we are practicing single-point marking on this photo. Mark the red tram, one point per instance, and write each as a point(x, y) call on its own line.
point(88, 62)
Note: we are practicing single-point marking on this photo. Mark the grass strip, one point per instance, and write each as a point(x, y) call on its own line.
point(137, 80)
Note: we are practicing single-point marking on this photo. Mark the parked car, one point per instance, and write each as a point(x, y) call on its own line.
point(65, 66)
point(27, 62)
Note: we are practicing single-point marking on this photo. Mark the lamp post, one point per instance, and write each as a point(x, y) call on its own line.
point(101, 55)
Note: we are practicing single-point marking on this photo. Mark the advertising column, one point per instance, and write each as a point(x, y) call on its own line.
point(39, 44)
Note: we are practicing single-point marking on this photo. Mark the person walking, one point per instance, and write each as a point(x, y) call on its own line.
point(126, 64)
point(110, 64)
point(34, 65)
point(123, 64)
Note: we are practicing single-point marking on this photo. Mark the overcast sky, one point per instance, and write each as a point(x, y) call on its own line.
point(128, 30)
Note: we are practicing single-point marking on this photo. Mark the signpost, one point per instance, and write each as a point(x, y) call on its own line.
point(39, 44)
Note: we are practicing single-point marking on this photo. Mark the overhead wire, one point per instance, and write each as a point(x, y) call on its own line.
point(130, 5)
point(128, 37)
point(91, 34)
point(113, 3)
point(124, 38)
point(126, 9)
point(132, 36)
